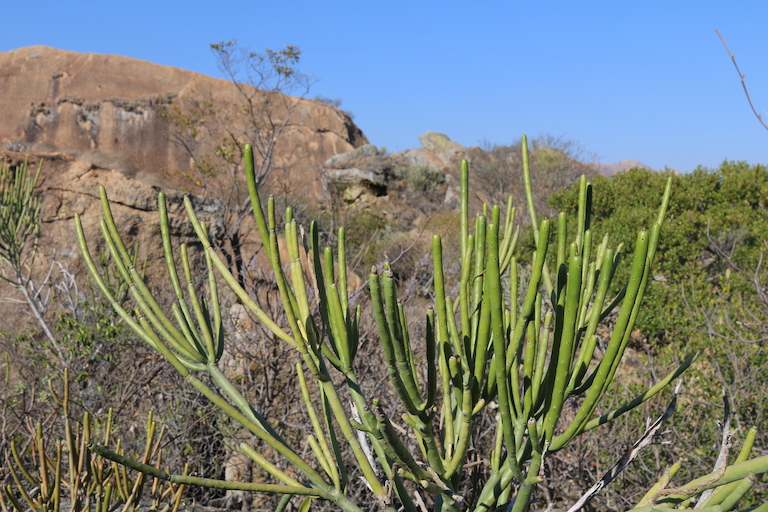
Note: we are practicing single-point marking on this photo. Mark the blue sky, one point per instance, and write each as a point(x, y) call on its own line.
point(647, 80)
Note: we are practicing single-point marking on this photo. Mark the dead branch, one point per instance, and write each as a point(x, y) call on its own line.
point(743, 83)
point(725, 448)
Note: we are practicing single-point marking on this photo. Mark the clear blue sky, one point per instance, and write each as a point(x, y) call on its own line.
point(647, 80)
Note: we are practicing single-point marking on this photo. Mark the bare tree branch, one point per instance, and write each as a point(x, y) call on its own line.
point(743, 83)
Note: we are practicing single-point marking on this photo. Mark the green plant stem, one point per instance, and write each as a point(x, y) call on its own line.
point(203, 482)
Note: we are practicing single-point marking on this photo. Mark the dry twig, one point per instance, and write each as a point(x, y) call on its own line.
point(743, 83)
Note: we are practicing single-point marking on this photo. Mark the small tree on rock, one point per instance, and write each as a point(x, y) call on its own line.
point(269, 87)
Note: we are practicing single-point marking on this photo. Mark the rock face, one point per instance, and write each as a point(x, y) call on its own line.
point(107, 107)
point(70, 187)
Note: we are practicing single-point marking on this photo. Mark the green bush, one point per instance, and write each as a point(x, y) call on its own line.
point(727, 203)
point(421, 179)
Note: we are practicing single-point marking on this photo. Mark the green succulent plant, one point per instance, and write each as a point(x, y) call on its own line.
point(496, 347)
point(76, 479)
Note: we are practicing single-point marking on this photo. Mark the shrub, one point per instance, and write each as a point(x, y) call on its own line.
point(421, 179)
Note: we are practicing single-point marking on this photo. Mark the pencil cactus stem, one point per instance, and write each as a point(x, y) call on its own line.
point(321, 459)
point(354, 330)
point(662, 216)
point(464, 300)
point(271, 216)
point(508, 238)
point(336, 317)
point(338, 327)
point(746, 447)
point(407, 347)
point(439, 283)
point(562, 238)
point(328, 459)
point(581, 212)
point(593, 318)
point(253, 192)
point(586, 253)
point(562, 349)
point(232, 282)
point(638, 400)
point(306, 322)
point(22, 468)
point(207, 351)
point(464, 434)
point(341, 252)
point(445, 387)
point(113, 252)
point(539, 261)
point(528, 188)
point(482, 337)
point(349, 434)
point(464, 203)
point(631, 302)
point(529, 359)
point(168, 248)
point(285, 295)
point(431, 355)
point(186, 324)
point(385, 313)
point(217, 348)
point(480, 245)
point(493, 289)
point(204, 482)
point(121, 252)
point(461, 350)
point(268, 466)
point(396, 448)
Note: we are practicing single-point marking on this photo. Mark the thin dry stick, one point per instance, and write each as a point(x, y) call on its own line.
point(743, 83)
point(725, 449)
point(629, 455)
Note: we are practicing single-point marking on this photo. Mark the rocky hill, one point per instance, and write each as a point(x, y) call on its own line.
point(106, 109)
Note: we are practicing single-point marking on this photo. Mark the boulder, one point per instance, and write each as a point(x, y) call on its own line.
point(341, 160)
point(441, 146)
point(367, 170)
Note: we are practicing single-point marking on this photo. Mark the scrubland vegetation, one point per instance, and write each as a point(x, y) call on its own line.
point(469, 370)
